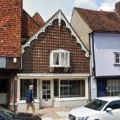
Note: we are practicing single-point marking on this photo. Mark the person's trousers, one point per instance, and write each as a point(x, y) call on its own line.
point(30, 105)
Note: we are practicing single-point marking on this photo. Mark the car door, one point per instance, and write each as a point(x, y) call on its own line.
point(115, 113)
point(1, 117)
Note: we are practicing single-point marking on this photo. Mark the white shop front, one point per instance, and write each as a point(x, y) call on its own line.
point(57, 90)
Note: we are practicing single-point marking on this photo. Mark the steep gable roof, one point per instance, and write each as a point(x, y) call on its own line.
point(38, 19)
point(60, 16)
point(100, 20)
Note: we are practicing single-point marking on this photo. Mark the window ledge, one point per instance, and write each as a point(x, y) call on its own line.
point(54, 66)
point(116, 64)
point(71, 99)
point(24, 101)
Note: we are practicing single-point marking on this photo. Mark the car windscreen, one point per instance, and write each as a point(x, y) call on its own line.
point(7, 112)
point(96, 104)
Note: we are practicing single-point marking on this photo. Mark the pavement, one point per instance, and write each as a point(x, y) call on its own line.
point(51, 113)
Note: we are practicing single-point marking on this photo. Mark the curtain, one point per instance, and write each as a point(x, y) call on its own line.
point(62, 58)
point(55, 58)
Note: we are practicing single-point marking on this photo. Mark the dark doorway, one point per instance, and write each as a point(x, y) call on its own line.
point(101, 87)
point(4, 92)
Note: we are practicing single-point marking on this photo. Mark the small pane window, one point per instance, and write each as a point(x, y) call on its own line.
point(113, 87)
point(24, 86)
point(117, 58)
point(46, 89)
point(117, 61)
point(60, 58)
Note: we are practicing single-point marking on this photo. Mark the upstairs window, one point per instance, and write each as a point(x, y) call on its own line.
point(117, 58)
point(60, 58)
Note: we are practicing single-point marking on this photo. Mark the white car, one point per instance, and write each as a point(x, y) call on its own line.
point(103, 108)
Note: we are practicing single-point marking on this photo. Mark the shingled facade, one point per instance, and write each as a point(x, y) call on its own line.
point(56, 61)
point(36, 57)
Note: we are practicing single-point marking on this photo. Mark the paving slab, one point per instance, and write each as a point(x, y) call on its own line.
point(51, 113)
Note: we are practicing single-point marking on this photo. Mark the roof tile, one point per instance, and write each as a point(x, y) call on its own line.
point(38, 19)
point(100, 20)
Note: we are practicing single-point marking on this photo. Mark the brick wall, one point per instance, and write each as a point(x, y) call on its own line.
point(10, 27)
point(36, 57)
point(10, 107)
point(29, 26)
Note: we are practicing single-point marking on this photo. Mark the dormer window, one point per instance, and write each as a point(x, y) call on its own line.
point(60, 58)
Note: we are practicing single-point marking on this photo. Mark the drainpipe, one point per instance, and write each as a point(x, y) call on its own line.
point(21, 63)
point(13, 92)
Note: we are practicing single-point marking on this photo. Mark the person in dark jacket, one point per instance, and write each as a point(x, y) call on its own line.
point(29, 99)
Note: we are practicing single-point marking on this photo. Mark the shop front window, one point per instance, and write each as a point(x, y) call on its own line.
point(69, 88)
point(24, 86)
point(113, 87)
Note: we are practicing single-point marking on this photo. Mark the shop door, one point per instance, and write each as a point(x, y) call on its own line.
point(101, 88)
point(46, 99)
point(4, 92)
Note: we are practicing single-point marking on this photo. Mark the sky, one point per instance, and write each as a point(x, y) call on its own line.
point(47, 8)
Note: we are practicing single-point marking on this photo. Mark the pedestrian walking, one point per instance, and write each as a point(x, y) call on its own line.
point(29, 99)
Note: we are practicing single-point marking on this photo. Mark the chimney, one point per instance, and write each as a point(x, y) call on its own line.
point(117, 7)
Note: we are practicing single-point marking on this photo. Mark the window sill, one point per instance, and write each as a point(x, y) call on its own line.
point(70, 99)
point(54, 66)
point(116, 64)
point(24, 101)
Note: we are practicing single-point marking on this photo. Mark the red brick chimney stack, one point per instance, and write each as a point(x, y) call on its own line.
point(117, 7)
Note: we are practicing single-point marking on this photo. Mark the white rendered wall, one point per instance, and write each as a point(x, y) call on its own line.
point(105, 45)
